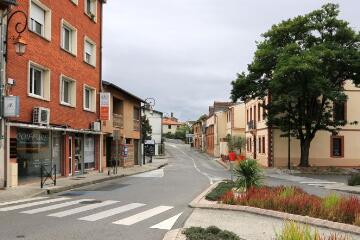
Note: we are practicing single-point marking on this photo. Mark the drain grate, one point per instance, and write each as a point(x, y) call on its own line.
point(90, 202)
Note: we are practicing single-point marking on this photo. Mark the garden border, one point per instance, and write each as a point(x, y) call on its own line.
point(201, 202)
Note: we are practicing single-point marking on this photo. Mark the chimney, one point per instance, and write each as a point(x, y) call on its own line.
point(172, 114)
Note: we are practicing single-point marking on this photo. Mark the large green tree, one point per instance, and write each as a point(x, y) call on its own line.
point(302, 64)
point(146, 129)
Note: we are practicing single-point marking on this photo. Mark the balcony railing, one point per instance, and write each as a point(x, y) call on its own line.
point(118, 120)
point(136, 125)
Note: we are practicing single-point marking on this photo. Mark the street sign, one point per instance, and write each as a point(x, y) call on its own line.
point(104, 106)
point(11, 106)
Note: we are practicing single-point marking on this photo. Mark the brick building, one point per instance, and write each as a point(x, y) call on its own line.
point(57, 81)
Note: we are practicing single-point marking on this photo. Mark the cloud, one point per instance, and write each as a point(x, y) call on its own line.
point(185, 53)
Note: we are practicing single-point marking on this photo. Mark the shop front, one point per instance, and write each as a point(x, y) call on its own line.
point(64, 152)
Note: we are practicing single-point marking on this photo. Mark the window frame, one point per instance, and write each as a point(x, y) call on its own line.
point(46, 32)
point(45, 81)
point(75, 2)
point(72, 40)
point(72, 93)
point(342, 141)
point(94, 58)
point(89, 14)
point(92, 100)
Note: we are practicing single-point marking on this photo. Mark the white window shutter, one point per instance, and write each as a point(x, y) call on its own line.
point(88, 48)
point(37, 13)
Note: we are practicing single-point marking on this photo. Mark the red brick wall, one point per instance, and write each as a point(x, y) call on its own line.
point(50, 55)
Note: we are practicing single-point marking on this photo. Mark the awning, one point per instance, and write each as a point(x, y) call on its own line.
point(40, 127)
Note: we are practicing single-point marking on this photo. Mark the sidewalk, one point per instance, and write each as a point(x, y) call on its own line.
point(251, 223)
point(63, 184)
point(331, 185)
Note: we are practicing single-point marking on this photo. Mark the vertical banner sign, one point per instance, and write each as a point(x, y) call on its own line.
point(11, 106)
point(104, 106)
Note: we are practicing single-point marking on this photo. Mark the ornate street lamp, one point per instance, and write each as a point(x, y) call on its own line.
point(19, 42)
point(149, 104)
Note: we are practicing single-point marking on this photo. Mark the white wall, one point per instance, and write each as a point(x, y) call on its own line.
point(155, 121)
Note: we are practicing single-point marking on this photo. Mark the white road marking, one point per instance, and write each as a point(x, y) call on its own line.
point(319, 182)
point(22, 200)
point(111, 212)
point(142, 216)
point(159, 173)
point(56, 206)
point(82, 209)
point(25, 205)
point(168, 223)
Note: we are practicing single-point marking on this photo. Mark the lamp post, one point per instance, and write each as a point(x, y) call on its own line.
point(20, 48)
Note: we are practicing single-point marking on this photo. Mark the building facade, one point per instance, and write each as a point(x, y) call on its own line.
point(121, 140)
point(155, 120)
point(170, 124)
point(270, 149)
point(57, 82)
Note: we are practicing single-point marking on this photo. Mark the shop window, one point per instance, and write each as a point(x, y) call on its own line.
point(337, 146)
point(89, 152)
point(13, 148)
point(40, 19)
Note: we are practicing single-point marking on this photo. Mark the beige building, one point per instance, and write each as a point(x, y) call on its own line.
point(170, 125)
point(125, 122)
point(343, 149)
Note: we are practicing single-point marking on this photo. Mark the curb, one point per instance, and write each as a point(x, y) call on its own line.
point(78, 185)
point(275, 214)
point(219, 161)
point(175, 234)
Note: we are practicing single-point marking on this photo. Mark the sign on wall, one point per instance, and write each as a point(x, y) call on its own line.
point(11, 106)
point(104, 106)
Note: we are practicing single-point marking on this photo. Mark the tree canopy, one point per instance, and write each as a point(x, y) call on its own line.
point(302, 65)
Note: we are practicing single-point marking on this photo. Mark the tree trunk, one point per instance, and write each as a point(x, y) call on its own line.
point(305, 149)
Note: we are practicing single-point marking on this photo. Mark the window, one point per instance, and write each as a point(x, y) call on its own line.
point(263, 145)
point(39, 81)
point(128, 141)
point(75, 2)
point(67, 91)
point(339, 111)
point(337, 146)
point(91, 8)
point(250, 114)
point(254, 113)
point(68, 37)
point(40, 19)
point(89, 52)
point(260, 149)
point(89, 99)
point(247, 115)
point(136, 113)
point(169, 126)
point(259, 112)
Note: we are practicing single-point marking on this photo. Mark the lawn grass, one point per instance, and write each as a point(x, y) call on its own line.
point(220, 190)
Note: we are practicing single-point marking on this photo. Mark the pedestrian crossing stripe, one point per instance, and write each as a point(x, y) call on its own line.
point(26, 205)
point(168, 223)
point(56, 206)
point(82, 209)
point(142, 216)
point(111, 212)
point(22, 201)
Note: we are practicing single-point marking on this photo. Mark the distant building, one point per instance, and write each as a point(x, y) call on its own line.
point(155, 120)
point(266, 145)
point(170, 124)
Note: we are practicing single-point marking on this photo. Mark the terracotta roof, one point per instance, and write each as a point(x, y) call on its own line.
point(168, 121)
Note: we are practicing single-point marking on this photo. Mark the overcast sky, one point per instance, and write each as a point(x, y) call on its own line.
point(185, 53)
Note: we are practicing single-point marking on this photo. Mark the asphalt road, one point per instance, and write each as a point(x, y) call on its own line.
point(142, 207)
point(125, 209)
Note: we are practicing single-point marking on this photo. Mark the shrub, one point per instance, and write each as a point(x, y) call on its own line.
point(219, 191)
point(294, 200)
point(248, 174)
point(295, 231)
point(210, 233)
point(354, 180)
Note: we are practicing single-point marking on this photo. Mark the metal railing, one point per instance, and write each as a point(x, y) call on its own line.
point(118, 120)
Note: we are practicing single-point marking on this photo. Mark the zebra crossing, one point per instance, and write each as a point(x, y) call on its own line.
point(62, 207)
